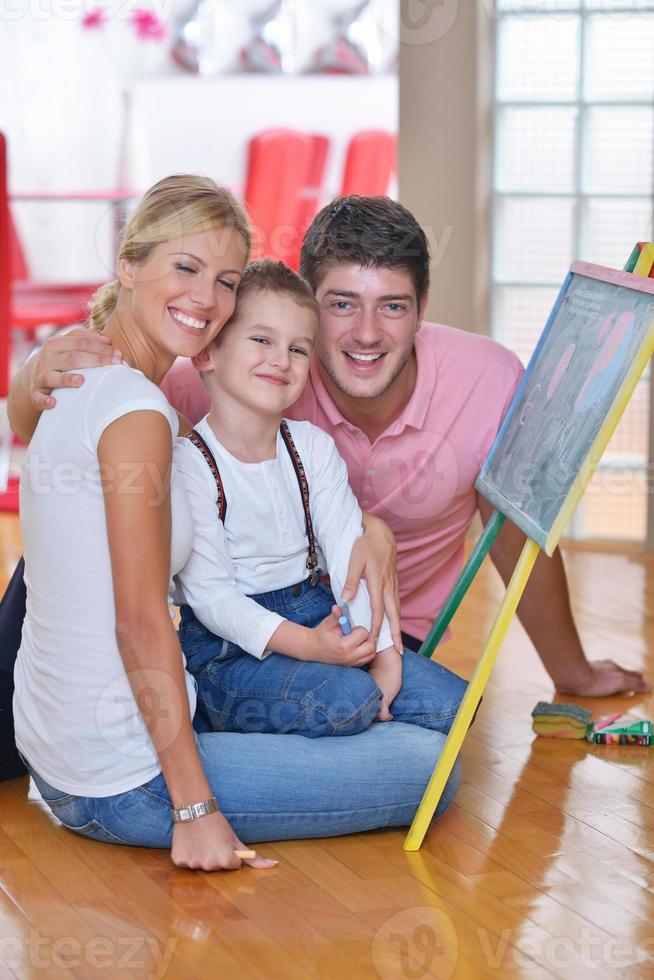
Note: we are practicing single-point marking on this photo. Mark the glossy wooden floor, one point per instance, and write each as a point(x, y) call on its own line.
point(542, 868)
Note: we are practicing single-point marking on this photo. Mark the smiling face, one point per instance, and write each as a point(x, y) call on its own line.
point(184, 292)
point(261, 361)
point(368, 321)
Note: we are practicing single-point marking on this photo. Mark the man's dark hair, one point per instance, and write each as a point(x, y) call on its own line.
point(373, 232)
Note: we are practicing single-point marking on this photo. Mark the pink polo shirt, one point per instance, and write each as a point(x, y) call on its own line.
point(419, 474)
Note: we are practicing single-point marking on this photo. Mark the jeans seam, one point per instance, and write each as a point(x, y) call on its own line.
point(87, 825)
point(306, 702)
point(374, 698)
point(60, 801)
point(295, 815)
point(119, 840)
point(435, 716)
point(419, 719)
point(154, 796)
point(361, 710)
point(308, 696)
point(262, 694)
point(299, 603)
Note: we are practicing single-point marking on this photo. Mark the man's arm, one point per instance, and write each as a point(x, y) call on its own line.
point(374, 558)
point(545, 613)
point(50, 367)
point(337, 520)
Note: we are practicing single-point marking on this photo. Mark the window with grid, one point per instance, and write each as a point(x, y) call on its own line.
point(573, 178)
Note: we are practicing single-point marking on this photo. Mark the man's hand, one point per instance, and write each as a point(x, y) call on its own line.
point(65, 353)
point(328, 645)
point(374, 558)
point(603, 678)
point(31, 387)
point(386, 672)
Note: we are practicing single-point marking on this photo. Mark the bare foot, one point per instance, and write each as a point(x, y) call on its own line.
point(606, 678)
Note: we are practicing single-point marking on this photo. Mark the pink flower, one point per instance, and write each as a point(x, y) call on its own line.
point(148, 26)
point(95, 18)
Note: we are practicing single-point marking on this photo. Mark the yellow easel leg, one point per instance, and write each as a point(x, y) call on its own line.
point(471, 698)
point(645, 260)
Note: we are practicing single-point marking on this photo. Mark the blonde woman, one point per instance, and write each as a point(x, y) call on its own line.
point(103, 704)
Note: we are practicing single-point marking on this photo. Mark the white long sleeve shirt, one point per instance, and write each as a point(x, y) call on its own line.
point(263, 545)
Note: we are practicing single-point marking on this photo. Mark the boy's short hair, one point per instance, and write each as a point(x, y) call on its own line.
point(272, 276)
point(373, 232)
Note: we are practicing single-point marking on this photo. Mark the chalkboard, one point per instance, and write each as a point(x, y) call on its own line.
point(594, 348)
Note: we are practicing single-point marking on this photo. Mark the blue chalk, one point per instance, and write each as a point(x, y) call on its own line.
point(344, 623)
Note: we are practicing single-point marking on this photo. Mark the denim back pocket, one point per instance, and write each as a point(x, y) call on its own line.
point(199, 644)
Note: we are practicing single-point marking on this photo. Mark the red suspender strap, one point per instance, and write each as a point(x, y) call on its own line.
point(200, 444)
point(312, 560)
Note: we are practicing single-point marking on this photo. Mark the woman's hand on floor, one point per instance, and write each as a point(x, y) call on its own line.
point(208, 844)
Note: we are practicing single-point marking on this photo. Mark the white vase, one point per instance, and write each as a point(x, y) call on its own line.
point(133, 171)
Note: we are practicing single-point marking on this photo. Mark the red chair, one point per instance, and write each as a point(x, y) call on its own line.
point(282, 165)
point(310, 199)
point(17, 260)
point(370, 163)
point(24, 306)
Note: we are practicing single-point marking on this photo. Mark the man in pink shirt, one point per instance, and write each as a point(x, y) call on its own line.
point(413, 408)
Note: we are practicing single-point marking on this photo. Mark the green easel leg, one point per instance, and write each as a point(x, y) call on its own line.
point(631, 261)
point(462, 584)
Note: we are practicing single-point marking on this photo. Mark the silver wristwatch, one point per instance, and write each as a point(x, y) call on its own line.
point(193, 811)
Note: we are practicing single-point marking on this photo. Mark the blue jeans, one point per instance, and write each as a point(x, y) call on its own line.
point(239, 693)
point(278, 788)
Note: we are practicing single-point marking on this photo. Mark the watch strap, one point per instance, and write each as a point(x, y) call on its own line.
point(193, 811)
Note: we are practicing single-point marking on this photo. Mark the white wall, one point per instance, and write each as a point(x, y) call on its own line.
point(60, 107)
point(206, 123)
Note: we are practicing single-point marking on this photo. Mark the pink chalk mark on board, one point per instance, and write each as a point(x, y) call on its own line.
point(605, 326)
point(560, 369)
point(605, 366)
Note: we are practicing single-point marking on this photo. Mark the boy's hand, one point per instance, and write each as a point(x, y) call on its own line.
point(65, 353)
point(329, 646)
point(386, 672)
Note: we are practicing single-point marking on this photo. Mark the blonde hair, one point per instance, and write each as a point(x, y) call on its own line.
point(177, 205)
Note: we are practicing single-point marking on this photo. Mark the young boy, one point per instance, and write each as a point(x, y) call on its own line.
point(272, 510)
